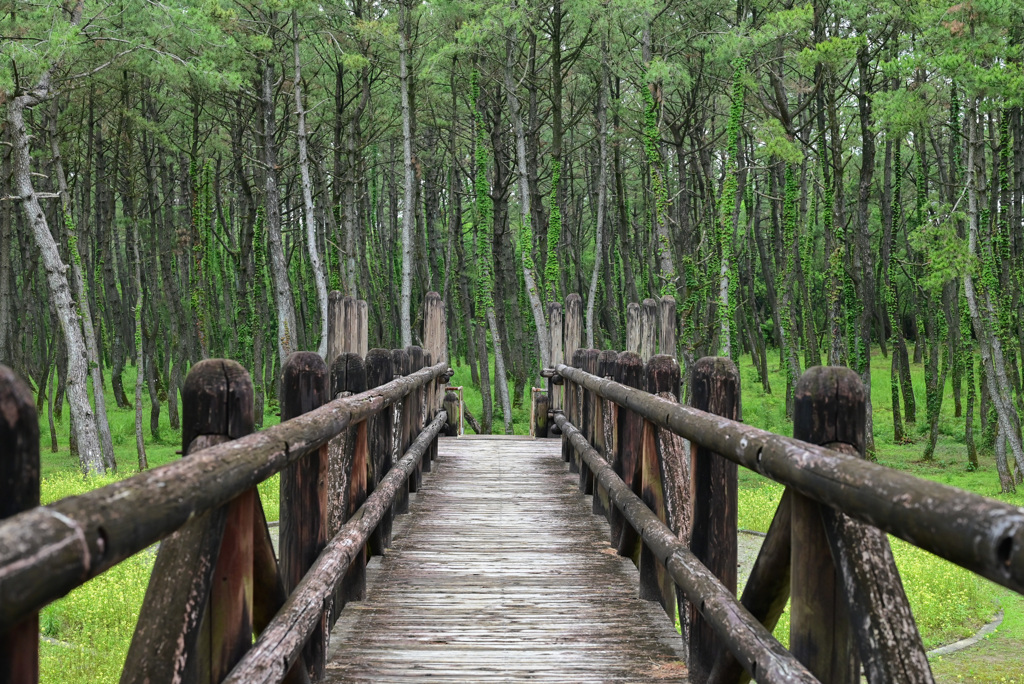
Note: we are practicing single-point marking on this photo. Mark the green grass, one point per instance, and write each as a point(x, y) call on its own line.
point(96, 621)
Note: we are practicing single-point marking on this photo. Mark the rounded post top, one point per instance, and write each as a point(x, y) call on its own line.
point(348, 374)
point(305, 382)
point(715, 387)
point(217, 399)
point(830, 407)
point(663, 375)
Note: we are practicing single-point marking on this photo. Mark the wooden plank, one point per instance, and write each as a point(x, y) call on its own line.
point(493, 581)
point(820, 634)
point(305, 387)
point(19, 491)
point(716, 390)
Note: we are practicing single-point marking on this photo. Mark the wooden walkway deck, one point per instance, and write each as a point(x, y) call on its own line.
point(501, 573)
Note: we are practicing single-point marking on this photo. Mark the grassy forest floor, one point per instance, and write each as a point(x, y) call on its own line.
point(88, 632)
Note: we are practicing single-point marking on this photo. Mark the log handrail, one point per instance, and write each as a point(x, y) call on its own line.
point(75, 539)
point(278, 646)
point(983, 535)
point(758, 651)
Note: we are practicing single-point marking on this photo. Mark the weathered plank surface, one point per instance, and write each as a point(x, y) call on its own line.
point(503, 574)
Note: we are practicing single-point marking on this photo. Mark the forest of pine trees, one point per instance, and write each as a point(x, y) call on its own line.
point(811, 181)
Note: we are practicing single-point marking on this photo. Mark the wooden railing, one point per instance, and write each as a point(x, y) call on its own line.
point(826, 550)
point(353, 441)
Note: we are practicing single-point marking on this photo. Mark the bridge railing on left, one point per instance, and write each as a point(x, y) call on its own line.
point(352, 443)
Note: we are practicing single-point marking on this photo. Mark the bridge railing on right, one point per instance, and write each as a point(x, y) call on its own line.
point(826, 548)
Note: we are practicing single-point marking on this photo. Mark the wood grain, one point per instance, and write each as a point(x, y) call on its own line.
point(493, 580)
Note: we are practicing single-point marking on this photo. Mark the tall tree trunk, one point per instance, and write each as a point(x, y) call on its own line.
point(60, 292)
point(287, 329)
point(525, 231)
point(409, 203)
point(602, 190)
point(315, 265)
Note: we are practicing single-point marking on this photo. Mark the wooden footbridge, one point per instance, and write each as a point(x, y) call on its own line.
point(411, 552)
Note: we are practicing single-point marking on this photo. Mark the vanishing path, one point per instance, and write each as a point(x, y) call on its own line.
point(502, 573)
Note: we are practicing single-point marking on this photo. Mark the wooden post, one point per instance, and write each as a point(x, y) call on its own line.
point(664, 484)
point(715, 389)
point(347, 478)
point(401, 425)
point(667, 326)
point(351, 326)
point(604, 432)
point(435, 340)
point(335, 326)
point(304, 386)
point(380, 437)
point(557, 357)
point(573, 325)
point(648, 328)
point(195, 622)
point(828, 407)
point(453, 408)
point(415, 361)
point(574, 411)
point(627, 462)
point(589, 412)
point(540, 405)
point(633, 332)
point(361, 336)
point(766, 591)
point(19, 491)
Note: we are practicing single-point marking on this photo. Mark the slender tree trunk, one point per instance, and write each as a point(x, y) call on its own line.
point(525, 231)
point(287, 329)
point(602, 191)
point(409, 203)
point(315, 264)
point(60, 292)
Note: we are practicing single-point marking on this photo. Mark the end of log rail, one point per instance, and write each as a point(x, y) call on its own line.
point(305, 383)
point(279, 646)
point(19, 491)
point(716, 390)
point(47, 551)
point(983, 535)
point(196, 617)
point(756, 649)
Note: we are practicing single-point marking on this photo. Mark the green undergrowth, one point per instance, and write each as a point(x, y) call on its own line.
point(93, 625)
